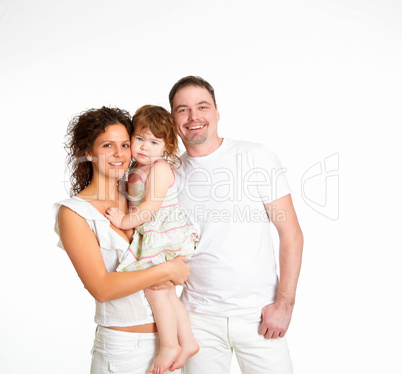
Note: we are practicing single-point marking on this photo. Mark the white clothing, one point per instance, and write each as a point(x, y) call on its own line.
point(131, 310)
point(233, 270)
point(124, 352)
point(218, 337)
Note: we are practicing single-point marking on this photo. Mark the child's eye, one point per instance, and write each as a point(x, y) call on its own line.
point(138, 138)
point(154, 143)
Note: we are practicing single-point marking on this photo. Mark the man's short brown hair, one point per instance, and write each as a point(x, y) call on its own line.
point(190, 80)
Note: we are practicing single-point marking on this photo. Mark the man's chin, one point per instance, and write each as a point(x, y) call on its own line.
point(196, 140)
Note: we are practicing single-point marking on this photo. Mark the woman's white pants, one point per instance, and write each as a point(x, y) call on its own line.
point(122, 352)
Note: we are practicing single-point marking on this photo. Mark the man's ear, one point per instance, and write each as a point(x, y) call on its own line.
point(217, 112)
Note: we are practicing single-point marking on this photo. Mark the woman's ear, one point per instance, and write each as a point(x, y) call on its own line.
point(88, 157)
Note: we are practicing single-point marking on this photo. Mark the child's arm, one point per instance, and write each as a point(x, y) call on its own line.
point(159, 179)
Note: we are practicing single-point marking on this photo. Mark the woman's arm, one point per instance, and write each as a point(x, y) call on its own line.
point(158, 182)
point(83, 249)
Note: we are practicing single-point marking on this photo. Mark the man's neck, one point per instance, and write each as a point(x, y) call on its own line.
point(201, 150)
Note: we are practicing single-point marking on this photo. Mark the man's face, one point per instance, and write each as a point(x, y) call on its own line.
point(195, 115)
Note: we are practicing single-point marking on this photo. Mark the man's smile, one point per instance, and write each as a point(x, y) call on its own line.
point(193, 126)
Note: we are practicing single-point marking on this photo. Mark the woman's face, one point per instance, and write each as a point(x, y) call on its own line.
point(110, 154)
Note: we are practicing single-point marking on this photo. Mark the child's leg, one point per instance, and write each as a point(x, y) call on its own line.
point(166, 321)
point(186, 338)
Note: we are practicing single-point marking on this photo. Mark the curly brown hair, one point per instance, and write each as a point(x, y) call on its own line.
point(160, 122)
point(82, 131)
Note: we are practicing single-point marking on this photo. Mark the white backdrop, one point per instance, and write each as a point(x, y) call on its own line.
point(317, 80)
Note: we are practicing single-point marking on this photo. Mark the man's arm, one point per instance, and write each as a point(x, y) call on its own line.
point(276, 317)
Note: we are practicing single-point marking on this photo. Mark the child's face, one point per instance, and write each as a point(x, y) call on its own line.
point(146, 148)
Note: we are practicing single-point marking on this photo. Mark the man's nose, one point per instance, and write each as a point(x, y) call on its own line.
point(193, 115)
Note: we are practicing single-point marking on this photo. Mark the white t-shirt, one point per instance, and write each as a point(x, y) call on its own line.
point(233, 270)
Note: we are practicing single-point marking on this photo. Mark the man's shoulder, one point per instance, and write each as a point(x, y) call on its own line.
point(248, 146)
point(232, 147)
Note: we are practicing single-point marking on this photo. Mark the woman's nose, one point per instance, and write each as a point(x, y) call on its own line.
point(118, 151)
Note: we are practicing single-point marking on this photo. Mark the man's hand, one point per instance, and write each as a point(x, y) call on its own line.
point(275, 320)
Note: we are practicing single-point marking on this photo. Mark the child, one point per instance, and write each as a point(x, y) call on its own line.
point(162, 232)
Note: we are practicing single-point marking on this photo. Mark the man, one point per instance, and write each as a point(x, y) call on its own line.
point(232, 190)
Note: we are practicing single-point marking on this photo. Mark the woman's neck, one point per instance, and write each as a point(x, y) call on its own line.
point(105, 190)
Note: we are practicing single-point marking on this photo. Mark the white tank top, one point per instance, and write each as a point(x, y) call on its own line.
point(131, 310)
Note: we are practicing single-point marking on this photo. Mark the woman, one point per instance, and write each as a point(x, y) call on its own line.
point(99, 154)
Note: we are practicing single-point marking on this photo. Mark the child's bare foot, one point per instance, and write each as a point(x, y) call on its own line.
point(166, 357)
point(188, 350)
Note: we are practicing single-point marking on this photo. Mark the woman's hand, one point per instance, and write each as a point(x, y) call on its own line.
point(179, 271)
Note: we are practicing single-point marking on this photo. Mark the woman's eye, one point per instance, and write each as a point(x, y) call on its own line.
point(126, 145)
point(107, 145)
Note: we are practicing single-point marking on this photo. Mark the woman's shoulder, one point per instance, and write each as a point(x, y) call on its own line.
point(80, 215)
point(79, 206)
point(68, 217)
point(72, 212)
point(72, 203)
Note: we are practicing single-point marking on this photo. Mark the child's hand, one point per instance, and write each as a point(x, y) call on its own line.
point(115, 216)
